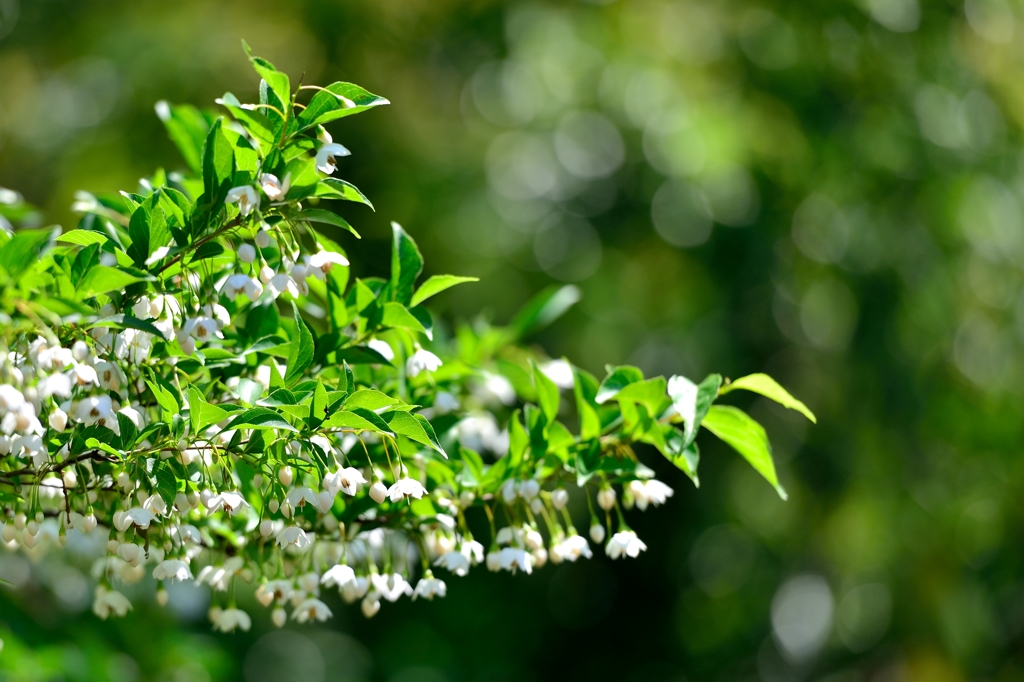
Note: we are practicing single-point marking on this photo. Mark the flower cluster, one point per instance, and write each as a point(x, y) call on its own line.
point(192, 375)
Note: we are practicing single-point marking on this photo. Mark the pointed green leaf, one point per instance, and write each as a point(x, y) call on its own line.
point(543, 309)
point(747, 437)
point(692, 401)
point(336, 101)
point(585, 388)
point(301, 355)
point(406, 264)
point(320, 215)
point(436, 285)
point(547, 394)
point(769, 388)
point(618, 378)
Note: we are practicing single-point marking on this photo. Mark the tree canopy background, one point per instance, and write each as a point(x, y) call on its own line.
point(832, 192)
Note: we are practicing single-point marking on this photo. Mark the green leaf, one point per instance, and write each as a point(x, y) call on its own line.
point(397, 315)
point(693, 401)
point(406, 264)
point(120, 321)
point(319, 215)
point(82, 238)
point(166, 481)
point(436, 285)
point(255, 122)
point(344, 419)
point(24, 249)
point(129, 432)
point(187, 127)
point(333, 188)
point(277, 81)
point(585, 388)
point(547, 394)
point(301, 355)
point(650, 393)
point(769, 388)
point(543, 309)
point(747, 437)
point(318, 406)
point(147, 230)
point(218, 164)
point(102, 279)
point(336, 101)
point(259, 418)
point(676, 450)
point(370, 399)
point(164, 398)
point(201, 413)
point(414, 427)
point(249, 391)
point(618, 378)
point(518, 440)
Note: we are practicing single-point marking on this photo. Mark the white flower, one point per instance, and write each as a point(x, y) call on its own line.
point(378, 492)
point(497, 388)
point(370, 606)
point(202, 328)
point(624, 543)
point(229, 619)
point(298, 497)
point(188, 533)
point(514, 558)
point(246, 253)
point(274, 188)
point(155, 504)
point(383, 349)
point(292, 535)
point(346, 480)
point(606, 498)
point(560, 372)
point(494, 561)
point(11, 399)
point(58, 420)
point(84, 375)
point(262, 236)
point(274, 590)
point(172, 569)
point(109, 601)
point(649, 492)
point(340, 576)
point(473, 551)
point(559, 498)
point(219, 577)
point(321, 262)
point(422, 360)
point(445, 402)
point(136, 516)
point(534, 540)
point(355, 589)
point(325, 157)
point(109, 375)
point(391, 586)
point(282, 283)
point(242, 284)
point(55, 385)
point(311, 609)
point(406, 487)
point(509, 492)
point(455, 561)
point(231, 503)
point(94, 409)
point(597, 533)
point(429, 586)
point(573, 547)
point(246, 197)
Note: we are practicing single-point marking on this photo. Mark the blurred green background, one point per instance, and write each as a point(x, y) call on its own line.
point(829, 191)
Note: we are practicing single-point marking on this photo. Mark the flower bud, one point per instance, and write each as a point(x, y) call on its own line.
point(266, 528)
point(530, 489)
point(493, 561)
point(370, 606)
point(29, 539)
point(378, 493)
point(540, 557)
point(10, 532)
point(559, 498)
point(597, 533)
point(58, 420)
point(205, 498)
point(247, 253)
point(286, 475)
point(161, 596)
point(32, 527)
point(279, 617)
point(19, 521)
point(262, 238)
point(606, 498)
point(80, 351)
point(466, 498)
point(266, 274)
point(70, 478)
point(89, 523)
point(536, 505)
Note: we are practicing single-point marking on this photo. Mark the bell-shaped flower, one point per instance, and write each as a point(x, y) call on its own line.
point(428, 587)
point(274, 590)
point(275, 189)
point(347, 480)
point(230, 502)
point(652, 492)
point(238, 284)
point(293, 536)
point(624, 543)
point(405, 488)
point(136, 516)
point(283, 283)
point(420, 361)
point(455, 561)
point(355, 589)
point(573, 547)
point(172, 569)
point(229, 619)
point(321, 262)
point(391, 586)
point(383, 349)
point(311, 610)
point(515, 558)
point(219, 577)
point(473, 550)
point(338, 576)
point(247, 198)
point(109, 601)
point(298, 497)
point(325, 157)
